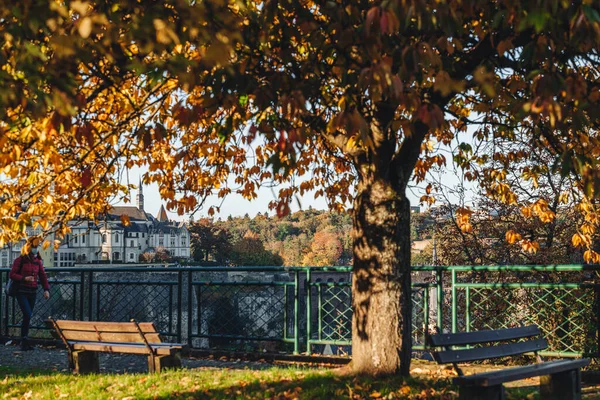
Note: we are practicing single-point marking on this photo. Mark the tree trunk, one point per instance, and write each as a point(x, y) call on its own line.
point(381, 282)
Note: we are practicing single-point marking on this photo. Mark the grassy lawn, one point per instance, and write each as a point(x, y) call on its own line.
point(274, 383)
point(277, 383)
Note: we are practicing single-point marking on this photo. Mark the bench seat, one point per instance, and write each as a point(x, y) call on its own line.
point(559, 380)
point(494, 378)
point(85, 339)
point(129, 348)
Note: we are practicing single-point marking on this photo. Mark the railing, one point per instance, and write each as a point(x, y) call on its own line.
point(309, 309)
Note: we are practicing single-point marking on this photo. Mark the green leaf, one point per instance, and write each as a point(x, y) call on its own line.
point(591, 13)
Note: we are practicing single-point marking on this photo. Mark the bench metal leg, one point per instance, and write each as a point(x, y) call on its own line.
point(162, 362)
point(85, 362)
point(481, 392)
point(564, 386)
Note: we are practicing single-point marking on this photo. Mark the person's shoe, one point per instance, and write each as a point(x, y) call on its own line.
point(25, 346)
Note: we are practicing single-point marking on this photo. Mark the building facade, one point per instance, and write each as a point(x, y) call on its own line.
point(112, 241)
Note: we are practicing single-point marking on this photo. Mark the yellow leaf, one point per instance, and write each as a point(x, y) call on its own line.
point(85, 27)
point(125, 220)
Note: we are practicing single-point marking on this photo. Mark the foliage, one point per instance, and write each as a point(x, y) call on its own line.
point(250, 251)
point(493, 240)
point(423, 258)
point(345, 100)
point(162, 255)
point(325, 250)
point(209, 241)
point(148, 257)
point(300, 239)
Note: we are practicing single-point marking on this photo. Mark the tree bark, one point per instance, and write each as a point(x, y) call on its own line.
point(381, 282)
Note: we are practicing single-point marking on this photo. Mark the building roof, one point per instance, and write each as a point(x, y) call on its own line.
point(131, 211)
point(162, 214)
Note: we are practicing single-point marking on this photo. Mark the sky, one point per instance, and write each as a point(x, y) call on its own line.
point(234, 204)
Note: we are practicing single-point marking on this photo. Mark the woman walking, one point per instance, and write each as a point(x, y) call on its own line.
point(27, 270)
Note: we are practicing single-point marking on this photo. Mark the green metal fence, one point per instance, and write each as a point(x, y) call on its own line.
point(309, 309)
point(563, 300)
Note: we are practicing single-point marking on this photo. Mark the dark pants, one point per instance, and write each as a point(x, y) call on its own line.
point(26, 302)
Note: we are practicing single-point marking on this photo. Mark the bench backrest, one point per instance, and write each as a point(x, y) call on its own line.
point(98, 331)
point(446, 340)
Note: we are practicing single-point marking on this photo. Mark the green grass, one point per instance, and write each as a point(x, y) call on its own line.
point(278, 383)
point(273, 383)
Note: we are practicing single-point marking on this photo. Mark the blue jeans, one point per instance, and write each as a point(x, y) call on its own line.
point(26, 303)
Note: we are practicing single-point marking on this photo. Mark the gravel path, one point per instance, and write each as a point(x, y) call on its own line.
point(52, 358)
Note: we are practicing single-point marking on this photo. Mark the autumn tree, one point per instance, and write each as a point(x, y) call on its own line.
point(325, 250)
point(348, 99)
point(250, 251)
point(209, 240)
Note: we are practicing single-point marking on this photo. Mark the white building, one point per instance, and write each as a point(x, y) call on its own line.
point(111, 241)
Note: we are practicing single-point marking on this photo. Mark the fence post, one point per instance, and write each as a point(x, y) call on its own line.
point(440, 299)
point(3, 303)
point(90, 295)
point(81, 294)
point(190, 308)
point(468, 309)
point(179, 304)
point(425, 314)
point(597, 315)
point(454, 301)
point(296, 311)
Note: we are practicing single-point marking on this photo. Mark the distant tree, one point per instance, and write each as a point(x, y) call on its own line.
point(325, 250)
point(285, 230)
point(250, 251)
point(162, 255)
point(209, 240)
point(147, 257)
point(295, 248)
point(423, 258)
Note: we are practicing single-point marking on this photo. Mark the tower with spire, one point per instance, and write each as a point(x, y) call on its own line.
point(140, 196)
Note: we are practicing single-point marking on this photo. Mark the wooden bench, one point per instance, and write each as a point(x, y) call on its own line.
point(559, 379)
point(85, 339)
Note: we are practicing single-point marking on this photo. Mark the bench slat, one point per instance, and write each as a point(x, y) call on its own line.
point(103, 336)
point(125, 348)
point(514, 374)
point(147, 327)
point(486, 336)
point(484, 353)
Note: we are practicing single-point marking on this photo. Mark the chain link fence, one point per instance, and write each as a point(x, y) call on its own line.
point(309, 310)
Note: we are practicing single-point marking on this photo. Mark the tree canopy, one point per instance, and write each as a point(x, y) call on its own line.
point(348, 98)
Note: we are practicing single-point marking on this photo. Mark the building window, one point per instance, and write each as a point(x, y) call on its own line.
point(161, 242)
point(104, 238)
point(117, 238)
point(132, 243)
point(172, 242)
point(131, 256)
point(75, 239)
point(83, 239)
point(116, 255)
point(62, 256)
